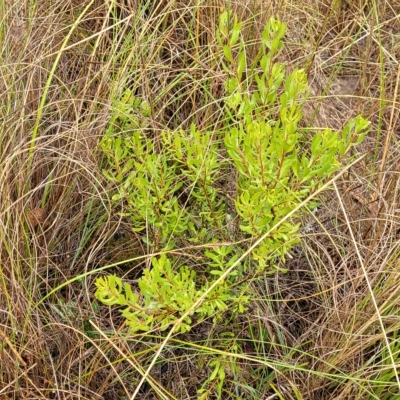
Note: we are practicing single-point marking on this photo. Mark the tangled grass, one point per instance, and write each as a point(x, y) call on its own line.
point(327, 329)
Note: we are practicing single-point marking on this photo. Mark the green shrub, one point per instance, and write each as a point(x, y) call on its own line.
point(217, 188)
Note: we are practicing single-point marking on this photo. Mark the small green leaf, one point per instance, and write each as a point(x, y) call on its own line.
point(235, 35)
point(241, 63)
point(228, 53)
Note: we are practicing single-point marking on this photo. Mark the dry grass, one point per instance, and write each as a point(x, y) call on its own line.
point(329, 329)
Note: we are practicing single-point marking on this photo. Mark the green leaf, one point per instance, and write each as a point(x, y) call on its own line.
point(241, 63)
point(228, 53)
point(235, 35)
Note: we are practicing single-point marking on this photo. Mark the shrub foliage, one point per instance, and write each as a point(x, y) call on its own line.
point(216, 191)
